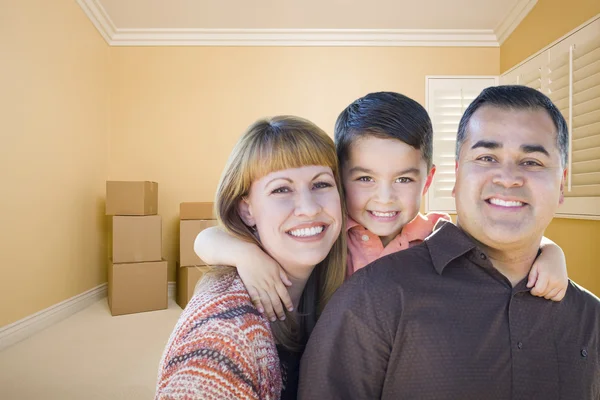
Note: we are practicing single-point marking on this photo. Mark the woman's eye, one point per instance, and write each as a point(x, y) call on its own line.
point(404, 180)
point(281, 190)
point(365, 179)
point(321, 185)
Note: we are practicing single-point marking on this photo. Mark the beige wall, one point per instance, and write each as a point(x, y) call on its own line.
point(172, 114)
point(548, 21)
point(53, 163)
point(176, 112)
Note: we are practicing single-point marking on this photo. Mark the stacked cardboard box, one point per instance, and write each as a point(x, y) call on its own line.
point(137, 273)
point(194, 217)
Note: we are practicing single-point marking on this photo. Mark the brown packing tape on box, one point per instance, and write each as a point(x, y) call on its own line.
point(196, 210)
point(136, 239)
point(131, 198)
point(188, 230)
point(137, 287)
point(187, 278)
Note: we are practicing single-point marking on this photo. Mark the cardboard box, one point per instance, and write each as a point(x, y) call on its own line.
point(136, 239)
point(137, 287)
point(187, 278)
point(196, 211)
point(131, 198)
point(188, 230)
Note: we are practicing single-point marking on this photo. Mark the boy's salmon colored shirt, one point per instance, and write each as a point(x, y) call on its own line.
point(364, 247)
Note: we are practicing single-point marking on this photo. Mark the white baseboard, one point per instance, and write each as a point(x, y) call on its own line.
point(34, 323)
point(28, 326)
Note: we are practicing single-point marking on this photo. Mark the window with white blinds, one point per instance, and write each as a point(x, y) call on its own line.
point(585, 122)
point(569, 73)
point(447, 100)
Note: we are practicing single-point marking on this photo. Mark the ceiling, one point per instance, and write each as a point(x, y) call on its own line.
point(472, 22)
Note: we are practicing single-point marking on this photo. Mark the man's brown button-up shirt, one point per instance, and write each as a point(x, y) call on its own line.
point(438, 321)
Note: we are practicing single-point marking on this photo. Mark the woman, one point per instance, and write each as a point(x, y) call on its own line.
point(281, 190)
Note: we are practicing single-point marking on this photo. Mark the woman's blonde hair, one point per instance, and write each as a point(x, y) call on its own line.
point(274, 144)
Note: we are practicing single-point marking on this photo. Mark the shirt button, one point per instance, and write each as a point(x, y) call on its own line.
point(482, 256)
point(365, 238)
point(584, 353)
point(520, 345)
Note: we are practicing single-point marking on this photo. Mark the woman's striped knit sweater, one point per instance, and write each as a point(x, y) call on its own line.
point(221, 348)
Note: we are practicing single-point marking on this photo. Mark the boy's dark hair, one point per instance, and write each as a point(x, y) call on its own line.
point(514, 97)
point(385, 115)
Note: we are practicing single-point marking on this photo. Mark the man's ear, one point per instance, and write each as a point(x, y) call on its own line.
point(561, 199)
point(455, 171)
point(245, 211)
point(429, 180)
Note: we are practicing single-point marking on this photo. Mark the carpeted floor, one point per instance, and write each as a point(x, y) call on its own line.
point(89, 356)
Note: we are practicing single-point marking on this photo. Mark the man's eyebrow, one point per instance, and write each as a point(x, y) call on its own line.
point(488, 144)
point(534, 148)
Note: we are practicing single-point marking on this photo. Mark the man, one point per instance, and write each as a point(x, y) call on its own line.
point(452, 318)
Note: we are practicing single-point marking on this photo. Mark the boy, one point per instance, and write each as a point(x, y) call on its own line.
point(384, 143)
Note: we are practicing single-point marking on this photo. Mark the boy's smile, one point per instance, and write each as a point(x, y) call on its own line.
point(384, 181)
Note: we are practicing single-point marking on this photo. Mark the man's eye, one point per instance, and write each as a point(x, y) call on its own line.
point(365, 179)
point(282, 189)
point(531, 163)
point(486, 159)
point(404, 180)
point(321, 185)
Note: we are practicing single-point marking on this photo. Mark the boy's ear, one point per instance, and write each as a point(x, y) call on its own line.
point(245, 211)
point(429, 180)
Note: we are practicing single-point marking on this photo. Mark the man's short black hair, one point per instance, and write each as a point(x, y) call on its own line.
point(515, 97)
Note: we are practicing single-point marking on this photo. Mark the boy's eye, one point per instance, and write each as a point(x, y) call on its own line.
point(322, 185)
point(404, 180)
point(365, 179)
point(283, 189)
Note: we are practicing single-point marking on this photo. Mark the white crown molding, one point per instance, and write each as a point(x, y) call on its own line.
point(28, 326)
point(304, 37)
point(99, 17)
point(513, 19)
point(283, 37)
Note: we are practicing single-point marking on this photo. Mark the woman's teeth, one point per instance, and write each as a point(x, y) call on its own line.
point(307, 232)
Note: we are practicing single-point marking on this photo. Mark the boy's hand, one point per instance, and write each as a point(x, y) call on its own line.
point(265, 281)
point(548, 276)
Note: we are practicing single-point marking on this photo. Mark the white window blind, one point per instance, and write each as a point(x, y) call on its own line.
point(447, 99)
point(585, 104)
point(569, 73)
point(572, 81)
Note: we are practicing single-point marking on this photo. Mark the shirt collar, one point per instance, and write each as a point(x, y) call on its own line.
point(419, 228)
point(447, 243)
